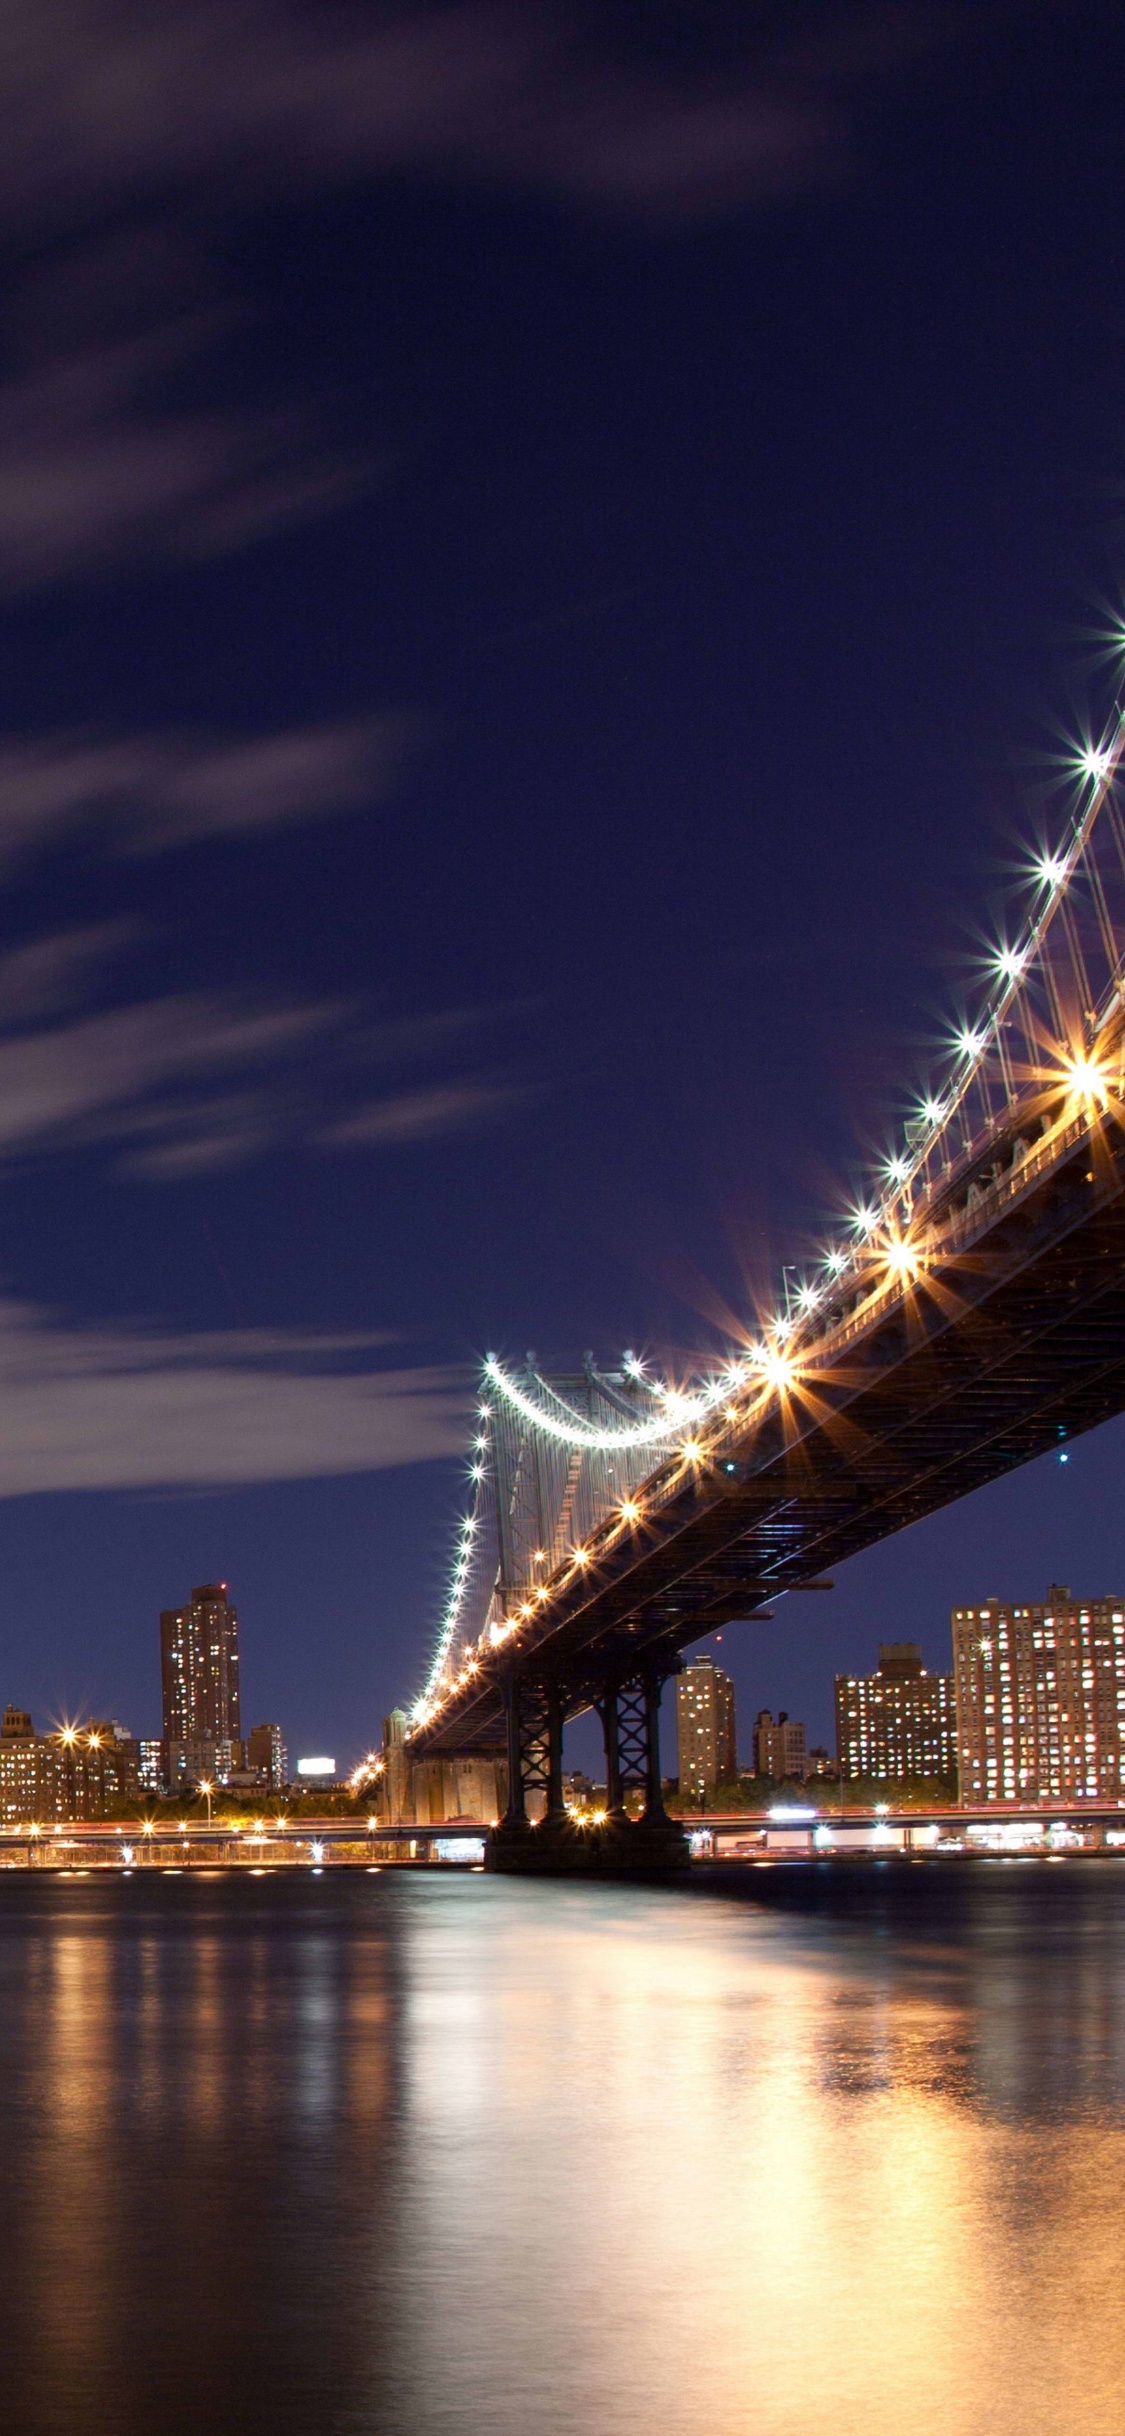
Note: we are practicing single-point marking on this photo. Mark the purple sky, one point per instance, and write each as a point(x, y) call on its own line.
point(541, 548)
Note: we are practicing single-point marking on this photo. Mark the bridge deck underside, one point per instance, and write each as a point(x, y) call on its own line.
point(1013, 1346)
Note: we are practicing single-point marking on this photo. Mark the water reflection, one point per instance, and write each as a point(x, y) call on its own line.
point(426, 2154)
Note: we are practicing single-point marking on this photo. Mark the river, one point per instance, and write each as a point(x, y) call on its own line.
point(798, 2151)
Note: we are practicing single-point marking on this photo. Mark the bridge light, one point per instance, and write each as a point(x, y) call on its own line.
point(971, 1043)
point(1010, 962)
point(539, 1556)
point(1085, 1075)
point(863, 1219)
point(933, 1112)
point(777, 1367)
point(1051, 869)
point(630, 1511)
point(835, 1262)
point(573, 1429)
point(897, 1170)
point(581, 1556)
point(902, 1258)
point(1095, 762)
point(692, 1449)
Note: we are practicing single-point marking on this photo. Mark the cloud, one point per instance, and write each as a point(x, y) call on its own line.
point(420, 1116)
point(270, 781)
point(93, 470)
point(125, 122)
point(127, 1408)
point(195, 1082)
point(50, 974)
point(155, 791)
point(129, 99)
point(105, 1074)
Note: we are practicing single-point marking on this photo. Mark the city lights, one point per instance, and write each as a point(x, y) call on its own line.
point(902, 1258)
point(1085, 1076)
point(776, 1367)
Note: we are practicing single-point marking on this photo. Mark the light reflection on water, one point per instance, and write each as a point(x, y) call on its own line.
point(835, 2150)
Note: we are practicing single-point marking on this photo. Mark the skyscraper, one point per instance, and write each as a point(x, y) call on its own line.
point(265, 1750)
point(901, 1721)
point(29, 1771)
point(705, 1731)
point(199, 1681)
point(779, 1746)
point(1041, 1699)
point(98, 1769)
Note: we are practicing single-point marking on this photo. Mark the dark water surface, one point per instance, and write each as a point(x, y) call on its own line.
point(833, 2151)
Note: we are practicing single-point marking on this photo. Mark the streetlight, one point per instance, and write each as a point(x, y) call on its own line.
point(206, 1787)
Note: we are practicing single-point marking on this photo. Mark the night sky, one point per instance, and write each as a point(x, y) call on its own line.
point(543, 551)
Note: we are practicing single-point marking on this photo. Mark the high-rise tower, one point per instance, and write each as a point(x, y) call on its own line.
point(1041, 1699)
point(705, 1728)
point(199, 1681)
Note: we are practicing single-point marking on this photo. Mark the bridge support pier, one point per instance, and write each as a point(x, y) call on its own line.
point(557, 1846)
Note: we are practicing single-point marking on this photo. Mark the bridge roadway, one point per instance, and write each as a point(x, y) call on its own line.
point(733, 1835)
point(1001, 1338)
point(299, 1843)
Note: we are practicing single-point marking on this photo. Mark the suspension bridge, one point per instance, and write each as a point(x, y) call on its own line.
point(970, 1316)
